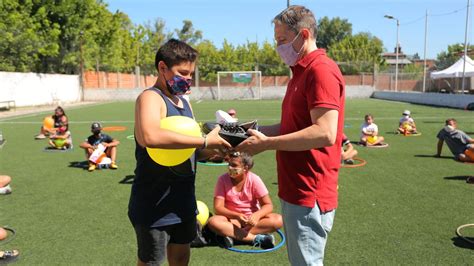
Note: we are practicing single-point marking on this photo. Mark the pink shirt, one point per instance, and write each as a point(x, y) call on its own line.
point(245, 201)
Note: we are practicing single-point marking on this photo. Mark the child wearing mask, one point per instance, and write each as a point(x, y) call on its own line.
point(243, 208)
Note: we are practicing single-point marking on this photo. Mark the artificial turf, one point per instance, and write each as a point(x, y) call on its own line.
point(402, 207)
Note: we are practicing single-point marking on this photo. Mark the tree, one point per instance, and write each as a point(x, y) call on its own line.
point(188, 34)
point(447, 58)
point(357, 53)
point(331, 31)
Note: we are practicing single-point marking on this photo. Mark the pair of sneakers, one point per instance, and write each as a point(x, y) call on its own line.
point(263, 241)
point(5, 190)
point(8, 256)
point(93, 166)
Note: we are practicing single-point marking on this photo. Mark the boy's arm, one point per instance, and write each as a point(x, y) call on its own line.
point(148, 115)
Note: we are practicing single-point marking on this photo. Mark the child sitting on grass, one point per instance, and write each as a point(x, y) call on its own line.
point(243, 207)
point(61, 139)
point(407, 124)
point(369, 132)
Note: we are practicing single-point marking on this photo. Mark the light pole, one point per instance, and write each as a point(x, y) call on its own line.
point(396, 50)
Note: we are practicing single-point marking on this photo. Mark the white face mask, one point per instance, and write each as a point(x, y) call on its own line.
point(288, 53)
point(235, 172)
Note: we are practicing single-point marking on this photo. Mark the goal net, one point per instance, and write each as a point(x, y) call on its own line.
point(233, 85)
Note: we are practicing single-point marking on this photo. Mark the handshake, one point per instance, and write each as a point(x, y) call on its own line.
point(232, 131)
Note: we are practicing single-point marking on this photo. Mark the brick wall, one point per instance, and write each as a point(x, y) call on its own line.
point(108, 80)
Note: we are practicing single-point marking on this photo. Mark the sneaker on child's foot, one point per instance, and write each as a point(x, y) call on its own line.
point(5, 190)
point(113, 165)
point(91, 167)
point(264, 241)
point(225, 241)
point(40, 136)
point(349, 161)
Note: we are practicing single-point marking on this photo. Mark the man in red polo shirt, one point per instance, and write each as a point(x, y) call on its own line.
point(308, 138)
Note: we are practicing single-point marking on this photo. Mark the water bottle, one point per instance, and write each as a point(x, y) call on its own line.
point(1, 137)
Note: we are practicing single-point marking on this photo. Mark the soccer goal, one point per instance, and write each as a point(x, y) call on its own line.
point(233, 85)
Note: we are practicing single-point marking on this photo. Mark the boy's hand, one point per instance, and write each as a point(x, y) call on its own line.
point(215, 141)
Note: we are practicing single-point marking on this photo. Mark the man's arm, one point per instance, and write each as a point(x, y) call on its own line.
point(270, 131)
point(440, 147)
point(321, 133)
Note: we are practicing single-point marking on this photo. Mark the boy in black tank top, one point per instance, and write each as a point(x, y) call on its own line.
point(162, 205)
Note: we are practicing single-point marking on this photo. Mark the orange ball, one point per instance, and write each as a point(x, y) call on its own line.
point(3, 233)
point(48, 122)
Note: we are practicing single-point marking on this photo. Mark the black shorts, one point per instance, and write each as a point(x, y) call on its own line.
point(152, 242)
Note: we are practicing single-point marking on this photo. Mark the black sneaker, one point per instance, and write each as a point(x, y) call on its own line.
point(225, 241)
point(264, 241)
point(349, 161)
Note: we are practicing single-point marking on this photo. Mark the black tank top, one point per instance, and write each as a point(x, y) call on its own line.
point(163, 195)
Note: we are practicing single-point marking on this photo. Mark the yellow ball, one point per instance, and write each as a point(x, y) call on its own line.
point(371, 139)
point(203, 213)
point(407, 127)
point(59, 143)
point(48, 122)
point(182, 125)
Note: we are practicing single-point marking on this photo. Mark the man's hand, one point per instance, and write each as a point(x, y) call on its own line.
point(256, 143)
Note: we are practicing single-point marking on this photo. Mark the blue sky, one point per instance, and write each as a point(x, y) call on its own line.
point(242, 20)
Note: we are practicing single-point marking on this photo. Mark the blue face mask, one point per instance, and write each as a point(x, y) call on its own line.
point(179, 85)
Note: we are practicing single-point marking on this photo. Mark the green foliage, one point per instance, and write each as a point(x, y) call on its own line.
point(357, 53)
point(331, 31)
point(446, 58)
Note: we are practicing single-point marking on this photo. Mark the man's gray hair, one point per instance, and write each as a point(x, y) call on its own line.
point(297, 18)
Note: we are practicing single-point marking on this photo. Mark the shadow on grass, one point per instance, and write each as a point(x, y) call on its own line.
point(461, 243)
point(79, 164)
point(434, 122)
point(127, 180)
point(458, 177)
point(432, 156)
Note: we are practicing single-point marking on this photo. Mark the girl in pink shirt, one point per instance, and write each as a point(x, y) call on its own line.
point(242, 205)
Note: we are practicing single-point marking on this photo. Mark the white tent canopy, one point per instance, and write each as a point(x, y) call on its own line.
point(455, 70)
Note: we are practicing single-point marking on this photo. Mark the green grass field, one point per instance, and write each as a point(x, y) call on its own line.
point(401, 208)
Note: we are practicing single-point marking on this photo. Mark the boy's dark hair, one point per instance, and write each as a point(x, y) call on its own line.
point(449, 120)
point(245, 158)
point(367, 116)
point(174, 52)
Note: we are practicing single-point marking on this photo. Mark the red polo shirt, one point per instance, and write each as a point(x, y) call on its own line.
point(307, 177)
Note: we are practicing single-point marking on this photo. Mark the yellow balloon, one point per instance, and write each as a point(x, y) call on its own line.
point(48, 122)
point(371, 139)
point(203, 212)
point(182, 125)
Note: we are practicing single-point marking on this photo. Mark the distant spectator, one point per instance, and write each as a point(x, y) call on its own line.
point(460, 144)
point(93, 141)
point(5, 185)
point(232, 113)
point(369, 132)
point(406, 124)
point(348, 152)
point(59, 118)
